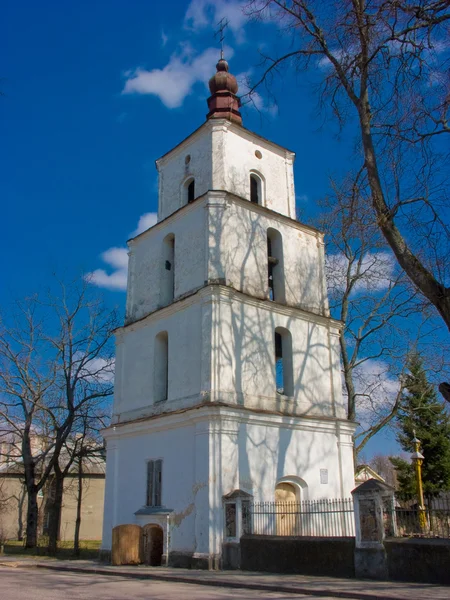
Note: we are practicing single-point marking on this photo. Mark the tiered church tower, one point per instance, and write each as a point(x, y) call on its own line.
point(227, 370)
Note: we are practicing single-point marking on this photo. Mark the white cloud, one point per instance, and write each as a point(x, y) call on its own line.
point(207, 13)
point(164, 38)
point(99, 370)
point(117, 260)
point(175, 81)
point(376, 271)
point(116, 257)
point(145, 221)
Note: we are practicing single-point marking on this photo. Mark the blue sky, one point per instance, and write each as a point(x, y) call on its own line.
point(78, 154)
point(94, 92)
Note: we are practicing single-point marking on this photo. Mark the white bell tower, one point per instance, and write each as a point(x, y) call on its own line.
point(227, 371)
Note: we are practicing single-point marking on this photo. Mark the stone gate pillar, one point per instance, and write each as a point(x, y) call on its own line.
point(374, 520)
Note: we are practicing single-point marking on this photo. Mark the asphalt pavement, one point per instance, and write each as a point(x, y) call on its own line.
point(23, 584)
point(237, 584)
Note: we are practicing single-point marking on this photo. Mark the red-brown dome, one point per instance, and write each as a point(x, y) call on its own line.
point(223, 102)
point(222, 80)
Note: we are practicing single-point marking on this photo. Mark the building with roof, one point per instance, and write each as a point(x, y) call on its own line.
point(13, 501)
point(228, 384)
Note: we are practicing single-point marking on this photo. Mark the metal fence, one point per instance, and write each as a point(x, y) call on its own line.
point(433, 521)
point(317, 518)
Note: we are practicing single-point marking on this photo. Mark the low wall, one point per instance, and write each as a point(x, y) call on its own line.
point(332, 557)
point(420, 560)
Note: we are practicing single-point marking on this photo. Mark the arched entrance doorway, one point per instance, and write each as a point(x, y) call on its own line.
point(153, 539)
point(287, 509)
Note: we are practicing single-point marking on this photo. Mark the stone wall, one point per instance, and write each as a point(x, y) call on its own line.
point(418, 560)
point(426, 561)
point(332, 557)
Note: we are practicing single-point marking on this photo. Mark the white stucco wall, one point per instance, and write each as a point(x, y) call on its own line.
point(222, 157)
point(243, 358)
point(220, 237)
point(174, 171)
point(259, 451)
point(275, 168)
point(209, 453)
point(221, 349)
point(135, 356)
point(126, 478)
point(147, 261)
point(238, 253)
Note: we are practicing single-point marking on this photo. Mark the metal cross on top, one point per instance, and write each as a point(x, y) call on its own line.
point(221, 26)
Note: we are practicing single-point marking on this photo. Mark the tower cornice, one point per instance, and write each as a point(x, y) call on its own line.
point(218, 414)
point(230, 197)
point(211, 292)
point(225, 125)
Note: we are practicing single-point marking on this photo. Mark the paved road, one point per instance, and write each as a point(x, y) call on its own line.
point(32, 584)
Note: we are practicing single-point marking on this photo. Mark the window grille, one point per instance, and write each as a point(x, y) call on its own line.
point(154, 482)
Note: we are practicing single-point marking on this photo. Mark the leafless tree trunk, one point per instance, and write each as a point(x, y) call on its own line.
point(55, 509)
point(76, 542)
point(382, 62)
point(20, 503)
point(375, 304)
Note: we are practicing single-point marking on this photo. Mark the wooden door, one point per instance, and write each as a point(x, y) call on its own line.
point(287, 508)
point(153, 545)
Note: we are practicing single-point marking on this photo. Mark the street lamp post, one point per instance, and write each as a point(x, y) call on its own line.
point(417, 458)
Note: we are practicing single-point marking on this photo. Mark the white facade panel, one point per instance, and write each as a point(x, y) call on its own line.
point(134, 390)
point(221, 155)
point(191, 159)
point(148, 262)
point(176, 449)
point(275, 168)
point(244, 358)
point(213, 452)
point(238, 254)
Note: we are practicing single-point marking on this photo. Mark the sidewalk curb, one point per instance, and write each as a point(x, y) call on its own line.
point(294, 589)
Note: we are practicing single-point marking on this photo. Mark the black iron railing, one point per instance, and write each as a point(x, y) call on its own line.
point(317, 518)
point(431, 521)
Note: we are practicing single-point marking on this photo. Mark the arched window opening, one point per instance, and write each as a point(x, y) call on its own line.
point(284, 380)
point(191, 191)
point(275, 265)
point(161, 370)
point(168, 270)
point(255, 189)
point(279, 364)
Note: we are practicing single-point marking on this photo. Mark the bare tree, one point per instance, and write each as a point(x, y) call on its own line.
point(385, 63)
point(56, 358)
point(375, 303)
point(381, 464)
point(10, 464)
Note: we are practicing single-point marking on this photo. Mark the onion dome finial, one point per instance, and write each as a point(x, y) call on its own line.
point(223, 102)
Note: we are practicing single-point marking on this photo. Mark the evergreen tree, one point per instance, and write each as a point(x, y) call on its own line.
point(422, 414)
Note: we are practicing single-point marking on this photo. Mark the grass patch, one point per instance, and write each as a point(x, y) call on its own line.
point(89, 549)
